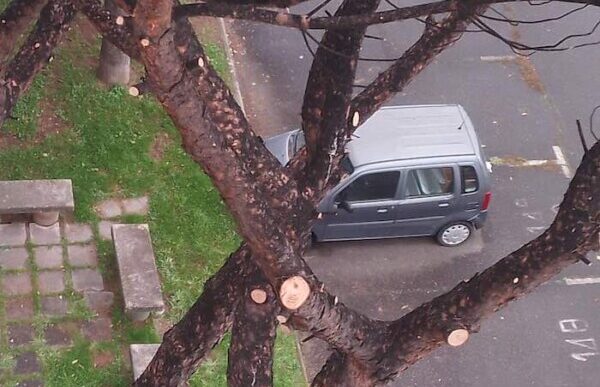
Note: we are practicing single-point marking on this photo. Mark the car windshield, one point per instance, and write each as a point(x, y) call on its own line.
point(296, 142)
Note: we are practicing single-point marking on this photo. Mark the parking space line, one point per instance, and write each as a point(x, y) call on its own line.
point(497, 58)
point(582, 281)
point(560, 160)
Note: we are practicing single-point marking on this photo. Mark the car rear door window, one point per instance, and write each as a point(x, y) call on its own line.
point(430, 182)
point(373, 186)
point(468, 176)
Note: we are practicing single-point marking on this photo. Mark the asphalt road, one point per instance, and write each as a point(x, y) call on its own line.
point(521, 107)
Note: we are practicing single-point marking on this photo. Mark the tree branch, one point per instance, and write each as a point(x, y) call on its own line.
point(253, 334)
point(253, 12)
point(14, 20)
point(328, 94)
point(573, 233)
point(436, 38)
point(34, 53)
point(203, 326)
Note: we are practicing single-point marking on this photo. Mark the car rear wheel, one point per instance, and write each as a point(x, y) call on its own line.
point(454, 234)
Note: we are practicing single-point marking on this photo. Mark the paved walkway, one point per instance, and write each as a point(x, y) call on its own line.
point(44, 273)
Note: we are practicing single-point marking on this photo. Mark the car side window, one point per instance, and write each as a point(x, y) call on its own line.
point(468, 176)
point(373, 186)
point(430, 182)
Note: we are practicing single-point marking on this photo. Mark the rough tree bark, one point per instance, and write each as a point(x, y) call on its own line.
point(273, 206)
point(114, 64)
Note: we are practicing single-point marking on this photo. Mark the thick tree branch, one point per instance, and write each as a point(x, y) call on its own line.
point(254, 12)
point(328, 94)
point(436, 38)
point(121, 35)
point(574, 232)
point(14, 20)
point(203, 326)
point(253, 334)
point(35, 53)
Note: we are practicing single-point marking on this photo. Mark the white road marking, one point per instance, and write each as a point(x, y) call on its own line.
point(497, 58)
point(535, 230)
point(560, 160)
point(582, 281)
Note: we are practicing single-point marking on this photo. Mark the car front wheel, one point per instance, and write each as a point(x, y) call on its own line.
point(454, 234)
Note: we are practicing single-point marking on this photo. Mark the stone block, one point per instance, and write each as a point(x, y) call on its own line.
point(82, 255)
point(14, 258)
point(13, 234)
point(135, 206)
point(78, 232)
point(44, 235)
point(137, 270)
point(27, 363)
point(99, 302)
point(51, 281)
point(104, 229)
point(20, 308)
point(87, 279)
point(48, 257)
point(28, 196)
point(54, 306)
point(55, 335)
point(20, 334)
point(141, 355)
point(99, 329)
point(108, 209)
point(16, 284)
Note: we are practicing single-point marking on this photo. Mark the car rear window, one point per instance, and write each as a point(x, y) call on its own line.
point(468, 176)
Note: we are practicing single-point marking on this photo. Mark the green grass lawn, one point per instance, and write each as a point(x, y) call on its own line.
point(113, 145)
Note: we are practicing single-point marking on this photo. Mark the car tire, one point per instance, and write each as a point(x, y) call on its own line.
point(454, 234)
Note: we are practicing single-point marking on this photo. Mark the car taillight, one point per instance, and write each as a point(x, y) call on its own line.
point(486, 201)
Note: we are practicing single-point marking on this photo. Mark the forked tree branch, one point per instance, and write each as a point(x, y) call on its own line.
point(573, 233)
point(436, 38)
point(252, 11)
point(33, 55)
point(14, 20)
point(328, 94)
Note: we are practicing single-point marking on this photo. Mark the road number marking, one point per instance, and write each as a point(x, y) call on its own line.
point(575, 325)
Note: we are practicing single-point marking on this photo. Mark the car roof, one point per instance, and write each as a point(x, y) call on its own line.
point(412, 132)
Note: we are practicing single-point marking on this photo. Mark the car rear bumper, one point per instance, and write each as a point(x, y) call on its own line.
point(479, 220)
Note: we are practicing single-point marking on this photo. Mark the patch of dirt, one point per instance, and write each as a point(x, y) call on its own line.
point(159, 145)
point(101, 359)
point(530, 74)
point(49, 123)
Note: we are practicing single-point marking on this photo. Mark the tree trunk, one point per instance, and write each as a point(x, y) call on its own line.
point(114, 64)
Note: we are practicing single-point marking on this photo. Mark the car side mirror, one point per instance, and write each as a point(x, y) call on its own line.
point(344, 205)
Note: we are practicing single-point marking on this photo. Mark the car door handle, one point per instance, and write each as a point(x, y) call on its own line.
point(443, 204)
point(382, 210)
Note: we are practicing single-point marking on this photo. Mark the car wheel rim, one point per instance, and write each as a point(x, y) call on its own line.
point(456, 234)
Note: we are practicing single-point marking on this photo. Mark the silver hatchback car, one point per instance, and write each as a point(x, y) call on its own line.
point(414, 171)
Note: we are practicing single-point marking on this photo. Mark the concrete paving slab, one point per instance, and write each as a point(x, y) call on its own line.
point(18, 308)
point(87, 279)
point(78, 232)
point(104, 229)
point(48, 257)
point(44, 235)
point(108, 209)
point(52, 281)
point(54, 306)
point(27, 363)
point(20, 334)
point(16, 284)
point(13, 234)
point(135, 206)
point(141, 355)
point(98, 330)
point(82, 255)
point(99, 302)
point(14, 258)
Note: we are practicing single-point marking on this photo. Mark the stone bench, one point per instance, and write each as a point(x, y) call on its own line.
point(137, 269)
point(45, 199)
